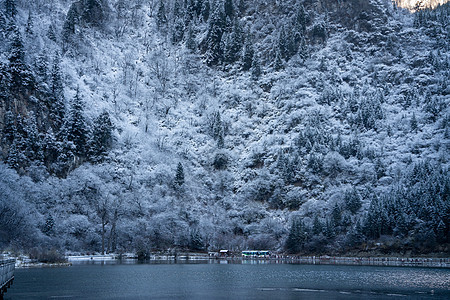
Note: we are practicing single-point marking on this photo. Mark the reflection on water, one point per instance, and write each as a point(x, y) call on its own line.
point(228, 279)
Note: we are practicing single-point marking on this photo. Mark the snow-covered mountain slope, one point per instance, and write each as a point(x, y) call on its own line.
point(285, 125)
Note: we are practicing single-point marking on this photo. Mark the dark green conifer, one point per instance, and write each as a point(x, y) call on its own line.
point(57, 102)
point(248, 53)
point(10, 9)
point(179, 176)
point(212, 44)
point(75, 125)
point(30, 25)
point(256, 68)
point(297, 236)
point(101, 138)
point(161, 17)
point(21, 78)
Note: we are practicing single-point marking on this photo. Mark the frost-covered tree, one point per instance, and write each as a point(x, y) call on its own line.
point(51, 33)
point(30, 24)
point(247, 54)
point(179, 175)
point(190, 39)
point(75, 125)
point(68, 30)
point(21, 78)
point(93, 12)
point(9, 128)
point(229, 8)
point(101, 138)
point(10, 8)
point(205, 10)
point(256, 68)
point(233, 44)
point(297, 236)
point(212, 44)
point(413, 123)
point(161, 17)
point(41, 68)
point(352, 200)
point(32, 139)
point(57, 105)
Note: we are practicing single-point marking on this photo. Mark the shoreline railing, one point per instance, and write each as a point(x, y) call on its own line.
point(7, 267)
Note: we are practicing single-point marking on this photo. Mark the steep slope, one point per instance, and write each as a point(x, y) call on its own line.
point(306, 127)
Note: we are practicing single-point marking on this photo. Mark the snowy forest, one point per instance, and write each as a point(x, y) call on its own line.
point(304, 127)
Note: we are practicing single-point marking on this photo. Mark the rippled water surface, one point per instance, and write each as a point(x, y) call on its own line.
point(230, 281)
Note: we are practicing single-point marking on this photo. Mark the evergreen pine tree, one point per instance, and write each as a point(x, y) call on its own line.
point(352, 200)
point(3, 25)
point(68, 30)
point(93, 12)
point(76, 127)
point(233, 44)
point(49, 225)
point(278, 63)
point(303, 49)
point(336, 216)
point(10, 9)
point(21, 78)
point(179, 176)
point(51, 33)
point(101, 137)
point(16, 153)
point(15, 156)
point(413, 123)
point(301, 20)
point(161, 18)
point(190, 11)
point(49, 148)
point(217, 126)
point(178, 29)
point(190, 40)
point(248, 53)
point(212, 44)
point(317, 226)
point(57, 101)
point(4, 82)
point(380, 169)
point(196, 241)
point(242, 7)
point(30, 25)
point(32, 143)
point(297, 236)
point(205, 10)
point(41, 67)
point(177, 10)
point(66, 158)
point(256, 68)
point(229, 9)
point(220, 142)
point(283, 43)
point(9, 128)
point(330, 230)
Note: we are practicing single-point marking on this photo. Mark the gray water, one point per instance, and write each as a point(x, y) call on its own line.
point(229, 281)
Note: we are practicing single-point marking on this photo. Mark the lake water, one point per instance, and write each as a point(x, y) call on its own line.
point(243, 280)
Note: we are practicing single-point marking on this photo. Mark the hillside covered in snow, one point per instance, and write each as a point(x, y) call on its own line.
point(295, 126)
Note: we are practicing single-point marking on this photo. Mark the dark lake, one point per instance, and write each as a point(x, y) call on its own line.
point(243, 280)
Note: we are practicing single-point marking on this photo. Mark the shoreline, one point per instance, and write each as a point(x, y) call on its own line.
point(431, 262)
